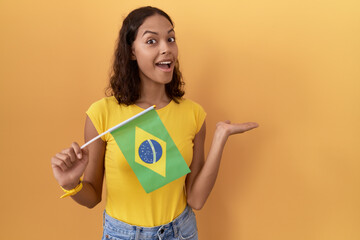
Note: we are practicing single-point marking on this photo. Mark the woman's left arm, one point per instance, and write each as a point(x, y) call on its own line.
point(201, 180)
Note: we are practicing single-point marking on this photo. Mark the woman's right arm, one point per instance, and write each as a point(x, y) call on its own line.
point(71, 163)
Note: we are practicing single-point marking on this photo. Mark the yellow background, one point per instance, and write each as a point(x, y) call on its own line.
point(292, 66)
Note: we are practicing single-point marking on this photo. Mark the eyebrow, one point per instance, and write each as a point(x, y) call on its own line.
point(148, 31)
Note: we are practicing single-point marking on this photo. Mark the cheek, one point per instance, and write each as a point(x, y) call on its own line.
point(144, 60)
point(175, 51)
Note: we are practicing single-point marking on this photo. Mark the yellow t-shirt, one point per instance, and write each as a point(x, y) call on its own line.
point(127, 201)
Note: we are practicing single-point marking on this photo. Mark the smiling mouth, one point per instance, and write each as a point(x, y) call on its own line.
point(164, 64)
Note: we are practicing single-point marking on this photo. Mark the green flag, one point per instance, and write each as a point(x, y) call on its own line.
point(150, 151)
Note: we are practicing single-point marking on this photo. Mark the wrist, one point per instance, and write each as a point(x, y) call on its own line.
point(72, 191)
point(69, 186)
point(221, 133)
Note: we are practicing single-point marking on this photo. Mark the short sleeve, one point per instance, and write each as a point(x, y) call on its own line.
point(97, 114)
point(200, 116)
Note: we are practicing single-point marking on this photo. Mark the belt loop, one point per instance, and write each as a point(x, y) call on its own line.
point(175, 229)
point(137, 233)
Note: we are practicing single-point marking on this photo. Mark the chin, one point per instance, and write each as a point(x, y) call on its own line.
point(168, 81)
point(164, 80)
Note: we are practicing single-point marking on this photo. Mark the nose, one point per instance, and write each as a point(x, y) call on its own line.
point(164, 48)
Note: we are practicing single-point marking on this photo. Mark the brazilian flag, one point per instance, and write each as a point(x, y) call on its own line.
point(150, 151)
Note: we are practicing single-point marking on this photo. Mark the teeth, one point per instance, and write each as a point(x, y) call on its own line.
point(165, 62)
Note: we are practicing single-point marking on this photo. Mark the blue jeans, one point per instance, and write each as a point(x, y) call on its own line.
point(182, 227)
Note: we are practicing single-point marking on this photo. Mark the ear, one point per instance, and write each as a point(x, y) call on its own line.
point(133, 56)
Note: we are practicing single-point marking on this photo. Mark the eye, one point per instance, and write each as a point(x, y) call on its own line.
point(172, 39)
point(151, 41)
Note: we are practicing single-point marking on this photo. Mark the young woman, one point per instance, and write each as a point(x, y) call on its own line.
point(145, 73)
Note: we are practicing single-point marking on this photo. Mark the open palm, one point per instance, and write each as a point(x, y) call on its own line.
point(235, 128)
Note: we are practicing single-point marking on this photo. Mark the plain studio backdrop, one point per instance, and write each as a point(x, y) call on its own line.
point(291, 66)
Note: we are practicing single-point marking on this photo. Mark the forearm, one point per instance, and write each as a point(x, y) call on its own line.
point(203, 176)
point(205, 180)
point(87, 196)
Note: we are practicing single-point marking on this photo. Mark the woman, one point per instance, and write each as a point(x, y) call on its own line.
point(145, 73)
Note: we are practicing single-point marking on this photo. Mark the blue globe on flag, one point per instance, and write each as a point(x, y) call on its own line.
point(150, 151)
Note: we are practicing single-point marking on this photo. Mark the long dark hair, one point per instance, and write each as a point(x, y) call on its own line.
point(124, 79)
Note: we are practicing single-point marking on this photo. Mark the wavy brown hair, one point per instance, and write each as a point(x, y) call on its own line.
point(124, 79)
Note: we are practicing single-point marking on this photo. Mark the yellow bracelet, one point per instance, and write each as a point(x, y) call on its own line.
point(72, 191)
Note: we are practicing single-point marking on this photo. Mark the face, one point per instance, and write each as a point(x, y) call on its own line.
point(155, 50)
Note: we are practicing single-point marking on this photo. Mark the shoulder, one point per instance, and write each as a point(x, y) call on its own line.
point(101, 113)
point(190, 105)
point(189, 109)
point(104, 104)
point(106, 101)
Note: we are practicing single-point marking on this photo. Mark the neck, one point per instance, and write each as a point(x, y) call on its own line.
point(153, 94)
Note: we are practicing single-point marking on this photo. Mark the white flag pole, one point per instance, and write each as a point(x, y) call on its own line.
point(119, 125)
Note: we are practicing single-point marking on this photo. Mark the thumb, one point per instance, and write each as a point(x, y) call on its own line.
point(85, 151)
point(77, 149)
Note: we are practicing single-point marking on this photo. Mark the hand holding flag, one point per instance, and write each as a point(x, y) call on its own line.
point(69, 165)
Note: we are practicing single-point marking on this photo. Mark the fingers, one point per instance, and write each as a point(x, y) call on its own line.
point(63, 160)
point(67, 157)
point(77, 149)
point(58, 163)
point(244, 127)
point(249, 125)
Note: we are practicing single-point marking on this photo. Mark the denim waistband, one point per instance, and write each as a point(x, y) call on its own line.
point(119, 226)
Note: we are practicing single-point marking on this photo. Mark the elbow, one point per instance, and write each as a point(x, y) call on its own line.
point(197, 208)
point(93, 204)
point(196, 205)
